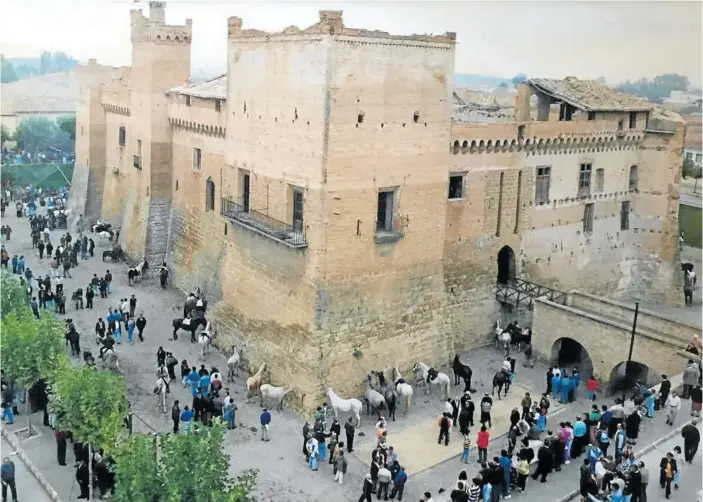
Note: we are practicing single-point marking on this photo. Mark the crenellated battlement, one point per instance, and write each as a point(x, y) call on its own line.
point(154, 29)
point(331, 23)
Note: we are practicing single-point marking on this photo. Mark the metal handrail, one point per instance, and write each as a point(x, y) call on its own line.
point(291, 234)
point(522, 291)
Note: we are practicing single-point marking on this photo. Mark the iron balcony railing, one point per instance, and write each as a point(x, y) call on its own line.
point(520, 291)
point(293, 235)
point(137, 161)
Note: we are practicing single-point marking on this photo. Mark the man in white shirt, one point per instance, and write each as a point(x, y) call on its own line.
point(673, 405)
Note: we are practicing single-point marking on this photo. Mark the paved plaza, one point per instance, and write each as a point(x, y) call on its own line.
point(284, 474)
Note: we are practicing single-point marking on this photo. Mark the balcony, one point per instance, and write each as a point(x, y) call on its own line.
point(290, 235)
point(137, 161)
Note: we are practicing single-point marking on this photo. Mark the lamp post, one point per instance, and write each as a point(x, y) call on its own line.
point(632, 344)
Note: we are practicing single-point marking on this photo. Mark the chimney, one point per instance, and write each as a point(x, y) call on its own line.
point(157, 12)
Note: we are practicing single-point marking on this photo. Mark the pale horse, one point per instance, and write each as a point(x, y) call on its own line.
point(110, 360)
point(103, 236)
point(205, 339)
point(160, 391)
point(254, 382)
point(273, 394)
point(374, 400)
point(440, 379)
point(403, 388)
point(234, 361)
point(502, 337)
point(352, 406)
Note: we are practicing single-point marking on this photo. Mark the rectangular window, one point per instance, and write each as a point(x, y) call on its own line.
point(542, 185)
point(139, 147)
point(384, 215)
point(600, 179)
point(245, 190)
point(197, 158)
point(625, 216)
point(632, 180)
point(297, 210)
point(585, 180)
point(689, 156)
point(699, 157)
point(122, 136)
point(456, 186)
point(218, 105)
point(588, 218)
point(591, 115)
point(187, 100)
point(621, 124)
point(633, 120)
point(565, 112)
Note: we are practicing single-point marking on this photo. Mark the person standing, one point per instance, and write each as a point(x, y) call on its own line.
point(691, 438)
point(398, 483)
point(544, 463)
point(132, 306)
point(140, 324)
point(482, 444)
point(673, 405)
point(350, 430)
point(175, 415)
point(265, 420)
point(83, 478)
point(667, 470)
point(7, 475)
point(690, 378)
point(186, 418)
point(312, 449)
point(445, 425)
point(367, 489)
point(60, 447)
point(384, 481)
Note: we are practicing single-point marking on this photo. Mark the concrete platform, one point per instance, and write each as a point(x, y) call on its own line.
point(417, 446)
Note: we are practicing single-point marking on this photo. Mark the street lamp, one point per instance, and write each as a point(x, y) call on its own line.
point(632, 344)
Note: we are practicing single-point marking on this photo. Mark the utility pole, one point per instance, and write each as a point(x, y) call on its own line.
point(632, 344)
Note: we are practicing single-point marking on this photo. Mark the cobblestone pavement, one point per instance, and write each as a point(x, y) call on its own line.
point(284, 475)
point(28, 488)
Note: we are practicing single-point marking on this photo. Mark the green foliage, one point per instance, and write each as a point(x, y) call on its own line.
point(68, 125)
point(7, 70)
point(32, 349)
point(92, 405)
point(190, 468)
point(21, 68)
point(13, 299)
point(690, 170)
point(5, 134)
point(658, 88)
point(39, 134)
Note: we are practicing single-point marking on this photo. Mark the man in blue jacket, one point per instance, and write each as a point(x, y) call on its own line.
point(505, 463)
point(265, 420)
point(399, 484)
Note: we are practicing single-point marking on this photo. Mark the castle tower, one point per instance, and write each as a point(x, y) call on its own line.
point(160, 60)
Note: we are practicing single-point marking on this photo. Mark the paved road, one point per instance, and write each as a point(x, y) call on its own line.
point(691, 474)
point(690, 199)
point(28, 488)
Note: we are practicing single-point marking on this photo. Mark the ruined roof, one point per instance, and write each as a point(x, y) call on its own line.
point(589, 95)
point(52, 93)
point(215, 88)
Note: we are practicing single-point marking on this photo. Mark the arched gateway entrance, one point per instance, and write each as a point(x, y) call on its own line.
point(622, 378)
point(506, 265)
point(569, 354)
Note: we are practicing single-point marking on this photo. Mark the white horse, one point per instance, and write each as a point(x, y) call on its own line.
point(404, 389)
point(105, 235)
point(374, 400)
point(110, 360)
point(234, 361)
point(273, 394)
point(352, 406)
point(160, 391)
point(499, 335)
point(421, 370)
point(205, 339)
point(254, 382)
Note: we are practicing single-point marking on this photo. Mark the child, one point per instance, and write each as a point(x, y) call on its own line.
point(482, 444)
point(465, 453)
point(679, 464)
point(523, 470)
point(591, 387)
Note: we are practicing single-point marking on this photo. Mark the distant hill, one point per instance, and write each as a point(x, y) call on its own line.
point(475, 81)
point(47, 63)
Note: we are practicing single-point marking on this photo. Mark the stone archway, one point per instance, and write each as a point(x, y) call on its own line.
point(621, 379)
point(506, 265)
point(567, 353)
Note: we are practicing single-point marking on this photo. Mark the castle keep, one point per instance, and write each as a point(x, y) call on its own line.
point(344, 211)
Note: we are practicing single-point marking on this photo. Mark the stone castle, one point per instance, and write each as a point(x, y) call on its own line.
point(336, 214)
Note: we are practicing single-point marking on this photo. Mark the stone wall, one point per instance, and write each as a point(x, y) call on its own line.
point(606, 341)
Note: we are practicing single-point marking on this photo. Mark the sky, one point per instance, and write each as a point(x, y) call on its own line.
point(617, 40)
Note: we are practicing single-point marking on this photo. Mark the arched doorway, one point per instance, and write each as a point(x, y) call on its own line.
point(209, 195)
point(506, 265)
point(623, 378)
point(569, 354)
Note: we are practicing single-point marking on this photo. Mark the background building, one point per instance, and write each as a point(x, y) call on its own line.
point(332, 208)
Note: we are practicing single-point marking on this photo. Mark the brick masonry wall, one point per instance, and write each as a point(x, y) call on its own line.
point(606, 342)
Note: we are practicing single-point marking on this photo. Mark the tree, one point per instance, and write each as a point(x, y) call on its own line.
point(68, 125)
point(36, 134)
point(690, 169)
point(5, 134)
point(32, 349)
point(7, 70)
point(601, 80)
point(657, 89)
point(502, 84)
point(13, 299)
point(92, 404)
point(179, 468)
point(520, 78)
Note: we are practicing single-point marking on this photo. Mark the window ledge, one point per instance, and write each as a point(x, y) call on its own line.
point(457, 199)
point(385, 237)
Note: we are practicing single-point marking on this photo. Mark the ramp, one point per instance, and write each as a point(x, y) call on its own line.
point(78, 195)
point(417, 446)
